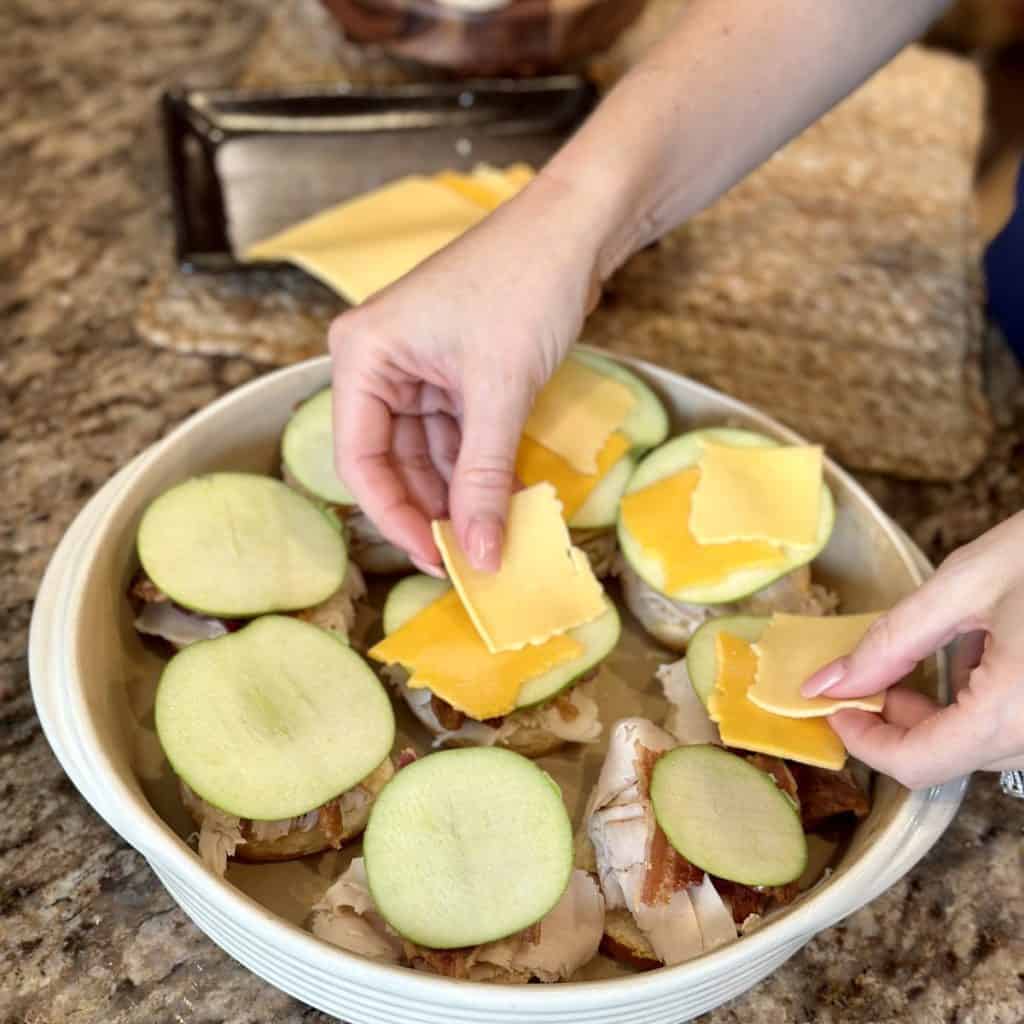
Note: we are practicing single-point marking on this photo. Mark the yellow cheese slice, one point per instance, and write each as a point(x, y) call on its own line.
point(363, 245)
point(792, 648)
point(535, 463)
point(743, 724)
point(658, 516)
point(770, 494)
point(476, 188)
point(544, 587)
point(487, 186)
point(576, 412)
point(519, 175)
point(441, 649)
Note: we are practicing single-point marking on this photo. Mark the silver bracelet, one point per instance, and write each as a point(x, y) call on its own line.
point(1012, 783)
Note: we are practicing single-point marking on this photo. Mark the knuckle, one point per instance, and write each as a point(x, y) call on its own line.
point(417, 462)
point(958, 563)
point(489, 474)
point(353, 328)
point(880, 634)
point(338, 335)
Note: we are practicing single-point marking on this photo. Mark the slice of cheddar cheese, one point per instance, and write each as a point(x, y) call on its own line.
point(576, 412)
point(361, 246)
point(766, 494)
point(657, 518)
point(544, 587)
point(487, 186)
point(535, 464)
point(792, 648)
point(441, 650)
point(470, 188)
point(743, 724)
point(519, 175)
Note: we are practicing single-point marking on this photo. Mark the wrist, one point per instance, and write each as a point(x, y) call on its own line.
point(613, 168)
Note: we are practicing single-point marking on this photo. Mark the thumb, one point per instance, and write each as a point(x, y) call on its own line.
point(898, 640)
point(494, 410)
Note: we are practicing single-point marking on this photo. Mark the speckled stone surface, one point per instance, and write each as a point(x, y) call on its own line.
point(87, 934)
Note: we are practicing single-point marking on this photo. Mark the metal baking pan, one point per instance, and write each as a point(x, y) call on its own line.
point(244, 165)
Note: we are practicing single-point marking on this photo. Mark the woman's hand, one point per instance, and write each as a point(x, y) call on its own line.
point(977, 598)
point(435, 376)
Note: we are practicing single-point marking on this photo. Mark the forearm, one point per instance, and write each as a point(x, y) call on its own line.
point(730, 85)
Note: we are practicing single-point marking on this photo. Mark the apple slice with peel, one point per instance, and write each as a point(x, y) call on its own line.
point(647, 422)
point(410, 596)
point(701, 660)
point(237, 545)
point(684, 452)
point(727, 817)
point(274, 720)
point(307, 450)
point(467, 846)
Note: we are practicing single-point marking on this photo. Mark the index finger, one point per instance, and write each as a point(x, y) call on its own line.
point(898, 640)
point(363, 427)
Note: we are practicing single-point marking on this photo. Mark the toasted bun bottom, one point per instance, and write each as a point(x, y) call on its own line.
point(624, 942)
point(291, 846)
point(534, 744)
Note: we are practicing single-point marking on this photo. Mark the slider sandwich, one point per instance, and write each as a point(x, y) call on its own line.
point(280, 737)
point(503, 659)
point(669, 833)
point(723, 522)
point(222, 549)
point(670, 819)
point(467, 872)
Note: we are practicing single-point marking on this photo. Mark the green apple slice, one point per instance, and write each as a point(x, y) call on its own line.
point(727, 817)
point(274, 720)
point(601, 508)
point(410, 596)
point(236, 545)
point(467, 846)
point(701, 662)
point(307, 450)
point(681, 453)
point(647, 422)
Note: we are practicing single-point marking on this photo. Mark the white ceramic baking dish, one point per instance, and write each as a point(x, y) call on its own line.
point(86, 663)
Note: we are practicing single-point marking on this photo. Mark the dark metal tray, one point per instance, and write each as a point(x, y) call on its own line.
point(244, 165)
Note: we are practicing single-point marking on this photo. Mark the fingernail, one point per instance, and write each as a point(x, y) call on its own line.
point(824, 680)
point(428, 568)
point(484, 544)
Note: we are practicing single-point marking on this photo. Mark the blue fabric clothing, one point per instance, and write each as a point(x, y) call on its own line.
point(1004, 273)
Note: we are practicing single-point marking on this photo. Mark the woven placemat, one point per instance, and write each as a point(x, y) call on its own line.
point(838, 288)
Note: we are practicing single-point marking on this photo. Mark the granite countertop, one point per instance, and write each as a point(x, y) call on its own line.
point(86, 931)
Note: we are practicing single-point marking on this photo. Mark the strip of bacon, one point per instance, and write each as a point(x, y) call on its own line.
point(449, 717)
point(329, 822)
point(826, 795)
point(666, 871)
point(565, 707)
point(779, 770)
point(406, 756)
